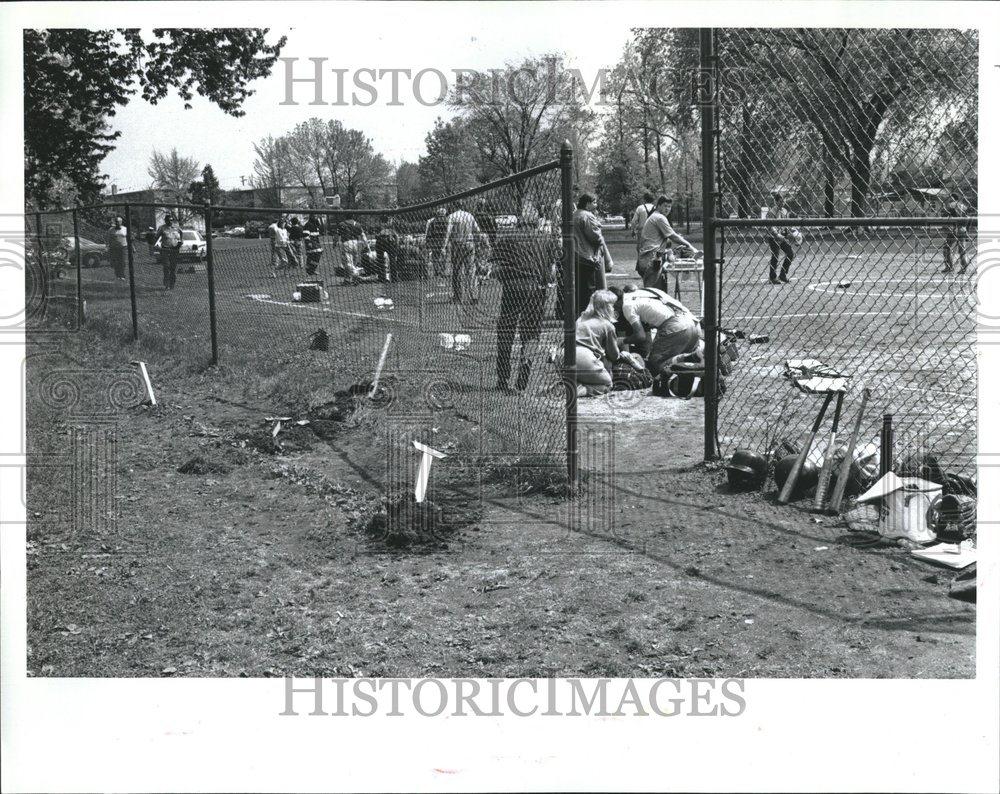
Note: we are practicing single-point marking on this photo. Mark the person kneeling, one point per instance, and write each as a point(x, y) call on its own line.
point(597, 345)
point(677, 330)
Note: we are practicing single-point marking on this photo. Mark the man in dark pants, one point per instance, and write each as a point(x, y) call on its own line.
point(590, 250)
point(169, 236)
point(955, 236)
point(524, 259)
point(777, 240)
point(295, 238)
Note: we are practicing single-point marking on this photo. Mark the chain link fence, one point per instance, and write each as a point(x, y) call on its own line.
point(847, 196)
point(454, 307)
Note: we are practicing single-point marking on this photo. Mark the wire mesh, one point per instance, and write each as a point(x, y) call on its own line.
point(865, 124)
point(461, 296)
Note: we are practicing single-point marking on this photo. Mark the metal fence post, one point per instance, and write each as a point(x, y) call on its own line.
point(210, 267)
point(709, 94)
point(43, 273)
point(127, 210)
point(79, 267)
point(569, 314)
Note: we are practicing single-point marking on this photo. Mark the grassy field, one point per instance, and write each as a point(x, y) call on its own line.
point(197, 545)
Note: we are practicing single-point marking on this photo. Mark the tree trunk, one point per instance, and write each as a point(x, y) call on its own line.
point(861, 177)
point(828, 184)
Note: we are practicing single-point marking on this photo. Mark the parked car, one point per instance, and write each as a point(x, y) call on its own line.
point(193, 246)
point(235, 231)
point(505, 221)
point(91, 254)
point(613, 222)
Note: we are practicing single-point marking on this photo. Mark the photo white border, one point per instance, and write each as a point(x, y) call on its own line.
point(226, 735)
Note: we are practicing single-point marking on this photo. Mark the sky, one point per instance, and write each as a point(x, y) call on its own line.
point(408, 40)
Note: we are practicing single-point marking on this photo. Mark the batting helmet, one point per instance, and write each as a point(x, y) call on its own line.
point(808, 476)
point(746, 470)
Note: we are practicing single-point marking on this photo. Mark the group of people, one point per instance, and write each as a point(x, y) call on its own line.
point(294, 243)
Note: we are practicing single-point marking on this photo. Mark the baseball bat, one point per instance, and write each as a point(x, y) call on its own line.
point(845, 467)
point(827, 471)
point(793, 475)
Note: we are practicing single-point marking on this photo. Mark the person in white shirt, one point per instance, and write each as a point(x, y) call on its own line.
point(118, 247)
point(278, 232)
point(642, 212)
point(677, 330)
point(460, 249)
point(654, 241)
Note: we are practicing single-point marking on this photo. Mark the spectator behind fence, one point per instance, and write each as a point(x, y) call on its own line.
point(434, 233)
point(955, 236)
point(278, 232)
point(314, 247)
point(118, 246)
point(591, 250)
point(460, 248)
point(295, 237)
point(524, 264)
point(388, 251)
point(350, 229)
point(169, 237)
point(778, 239)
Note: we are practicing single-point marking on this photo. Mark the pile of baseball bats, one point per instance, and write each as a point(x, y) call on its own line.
point(826, 473)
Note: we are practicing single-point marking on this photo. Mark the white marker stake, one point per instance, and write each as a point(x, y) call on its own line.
point(378, 369)
point(424, 469)
point(146, 380)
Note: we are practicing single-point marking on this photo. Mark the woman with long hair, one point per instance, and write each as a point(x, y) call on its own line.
point(596, 344)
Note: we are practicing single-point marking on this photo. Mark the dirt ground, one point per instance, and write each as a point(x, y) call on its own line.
point(258, 565)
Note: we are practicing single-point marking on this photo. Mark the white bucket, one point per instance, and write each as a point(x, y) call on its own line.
point(906, 501)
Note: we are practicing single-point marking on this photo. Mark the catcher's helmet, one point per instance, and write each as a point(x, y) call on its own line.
point(746, 470)
point(808, 477)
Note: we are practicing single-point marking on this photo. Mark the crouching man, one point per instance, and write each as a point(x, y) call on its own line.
point(677, 329)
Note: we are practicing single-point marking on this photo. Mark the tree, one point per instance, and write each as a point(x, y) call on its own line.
point(522, 116)
point(75, 80)
point(172, 171)
point(324, 158)
point(408, 186)
point(847, 84)
point(205, 190)
point(450, 165)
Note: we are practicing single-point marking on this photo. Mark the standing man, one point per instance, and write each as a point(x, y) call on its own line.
point(525, 259)
point(295, 238)
point(654, 240)
point(591, 250)
point(278, 232)
point(434, 233)
point(169, 237)
point(460, 248)
point(778, 239)
point(313, 245)
point(388, 251)
point(118, 246)
point(642, 212)
point(958, 235)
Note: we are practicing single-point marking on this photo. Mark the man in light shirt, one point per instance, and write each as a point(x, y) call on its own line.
point(278, 232)
point(677, 330)
point(460, 248)
point(118, 247)
point(654, 241)
point(778, 240)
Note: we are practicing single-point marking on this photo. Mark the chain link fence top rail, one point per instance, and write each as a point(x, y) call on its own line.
point(864, 124)
point(461, 299)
